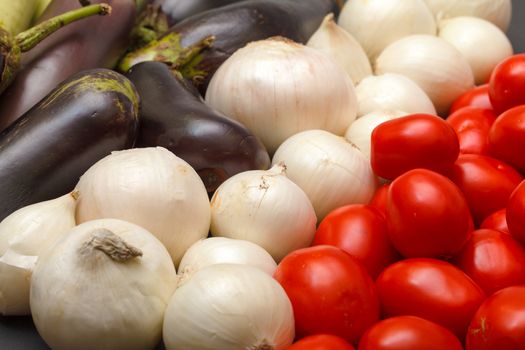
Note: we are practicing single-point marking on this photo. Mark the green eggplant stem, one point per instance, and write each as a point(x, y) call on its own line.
point(31, 37)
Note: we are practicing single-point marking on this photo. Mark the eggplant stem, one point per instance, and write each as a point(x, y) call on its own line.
point(31, 37)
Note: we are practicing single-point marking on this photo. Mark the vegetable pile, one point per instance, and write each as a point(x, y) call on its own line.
point(263, 174)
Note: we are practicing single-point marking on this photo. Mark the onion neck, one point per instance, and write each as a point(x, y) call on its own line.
point(110, 244)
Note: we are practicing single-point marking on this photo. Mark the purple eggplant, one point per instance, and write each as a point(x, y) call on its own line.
point(173, 115)
point(177, 10)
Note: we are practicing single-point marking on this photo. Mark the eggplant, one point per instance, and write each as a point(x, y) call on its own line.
point(43, 154)
point(177, 10)
point(96, 42)
point(232, 27)
point(173, 115)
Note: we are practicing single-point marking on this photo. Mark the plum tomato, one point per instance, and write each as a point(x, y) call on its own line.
point(516, 213)
point(477, 97)
point(321, 342)
point(507, 83)
point(507, 137)
point(379, 199)
point(496, 221)
point(472, 127)
point(413, 141)
point(330, 291)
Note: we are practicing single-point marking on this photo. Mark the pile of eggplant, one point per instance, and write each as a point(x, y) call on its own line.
point(127, 79)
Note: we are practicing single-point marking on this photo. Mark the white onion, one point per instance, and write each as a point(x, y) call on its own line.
point(482, 43)
point(277, 87)
point(392, 92)
point(434, 64)
point(330, 170)
point(377, 23)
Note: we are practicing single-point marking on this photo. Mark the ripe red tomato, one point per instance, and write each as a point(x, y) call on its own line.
point(477, 97)
point(472, 127)
point(496, 221)
point(493, 259)
point(427, 215)
point(507, 83)
point(413, 141)
point(361, 231)
point(432, 289)
point(408, 333)
point(321, 342)
point(379, 200)
point(507, 137)
point(499, 324)
point(330, 291)
point(516, 213)
point(486, 182)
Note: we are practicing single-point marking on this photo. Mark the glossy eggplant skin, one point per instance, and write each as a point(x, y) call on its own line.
point(177, 10)
point(96, 42)
point(174, 116)
point(43, 154)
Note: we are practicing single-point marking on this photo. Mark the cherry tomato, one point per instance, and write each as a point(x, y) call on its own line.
point(507, 83)
point(516, 213)
point(361, 231)
point(408, 333)
point(432, 289)
point(472, 127)
point(477, 97)
point(321, 342)
point(493, 259)
point(507, 137)
point(427, 215)
point(379, 199)
point(486, 182)
point(413, 141)
point(499, 324)
point(330, 291)
point(496, 221)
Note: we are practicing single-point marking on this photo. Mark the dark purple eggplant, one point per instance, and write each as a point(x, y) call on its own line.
point(96, 42)
point(43, 154)
point(173, 115)
point(232, 27)
point(177, 10)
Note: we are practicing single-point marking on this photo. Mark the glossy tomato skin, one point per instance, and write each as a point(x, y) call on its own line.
point(486, 182)
point(361, 231)
point(321, 342)
point(472, 127)
point(408, 333)
point(516, 213)
point(496, 221)
point(330, 291)
point(379, 200)
point(431, 289)
point(413, 141)
point(507, 83)
point(507, 137)
point(477, 97)
point(499, 324)
point(427, 215)
point(493, 259)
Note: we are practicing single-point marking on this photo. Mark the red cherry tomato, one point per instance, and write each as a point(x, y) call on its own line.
point(499, 324)
point(493, 259)
point(427, 215)
point(507, 137)
point(330, 291)
point(486, 183)
point(432, 289)
point(496, 221)
point(472, 127)
point(321, 342)
point(507, 83)
point(516, 213)
point(361, 231)
point(379, 199)
point(477, 97)
point(413, 141)
point(408, 333)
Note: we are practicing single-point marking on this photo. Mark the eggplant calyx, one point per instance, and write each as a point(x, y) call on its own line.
point(9, 59)
point(149, 26)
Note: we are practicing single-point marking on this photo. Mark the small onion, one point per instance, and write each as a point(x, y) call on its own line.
point(330, 170)
point(392, 92)
point(276, 88)
point(342, 47)
point(434, 64)
point(266, 208)
point(498, 12)
point(468, 35)
point(377, 23)
point(229, 306)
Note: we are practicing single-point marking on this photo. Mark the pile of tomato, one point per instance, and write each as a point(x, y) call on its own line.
point(437, 259)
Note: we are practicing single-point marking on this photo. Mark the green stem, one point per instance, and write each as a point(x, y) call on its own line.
point(31, 37)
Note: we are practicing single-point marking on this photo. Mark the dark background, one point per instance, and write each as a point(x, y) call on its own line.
point(19, 333)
